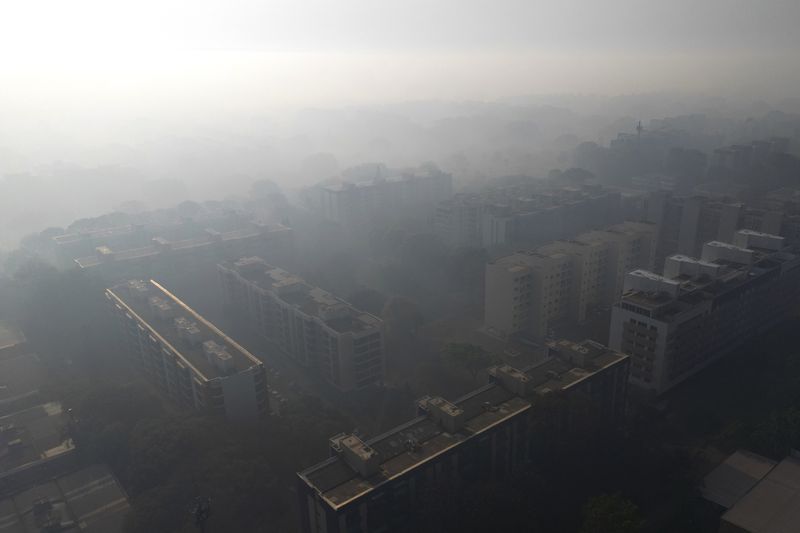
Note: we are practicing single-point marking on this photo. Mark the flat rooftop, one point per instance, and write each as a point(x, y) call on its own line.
point(159, 316)
point(20, 379)
point(208, 237)
point(336, 313)
point(32, 436)
point(773, 504)
point(734, 478)
point(88, 500)
point(484, 408)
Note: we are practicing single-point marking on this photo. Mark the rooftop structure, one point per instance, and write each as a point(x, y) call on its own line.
point(310, 324)
point(760, 495)
point(674, 326)
point(33, 437)
point(735, 477)
point(88, 500)
point(361, 472)
point(189, 357)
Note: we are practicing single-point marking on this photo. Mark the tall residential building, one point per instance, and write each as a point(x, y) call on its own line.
point(504, 216)
point(361, 203)
point(187, 357)
point(685, 223)
point(317, 329)
point(563, 280)
point(377, 484)
point(701, 309)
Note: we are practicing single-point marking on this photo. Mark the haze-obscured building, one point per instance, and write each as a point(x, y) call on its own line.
point(186, 357)
point(311, 325)
point(509, 215)
point(701, 309)
point(182, 254)
point(88, 500)
point(379, 483)
point(403, 194)
point(563, 280)
point(685, 223)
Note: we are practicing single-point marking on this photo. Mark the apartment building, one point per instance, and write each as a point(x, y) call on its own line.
point(405, 194)
point(505, 216)
point(377, 484)
point(564, 280)
point(311, 325)
point(685, 223)
point(185, 356)
point(181, 254)
point(701, 309)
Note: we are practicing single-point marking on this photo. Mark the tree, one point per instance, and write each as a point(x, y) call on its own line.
point(402, 317)
point(369, 300)
point(470, 357)
point(611, 514)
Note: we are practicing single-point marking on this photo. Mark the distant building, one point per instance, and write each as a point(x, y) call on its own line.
point(510, 215)
point(311, 325)
point(356, 204)
point(90, 499)
point(187, 357)
point(685, 223)
point(701, 309)
point(164, 256)
point(757, 494)
point(376, 484)
point(563, 280)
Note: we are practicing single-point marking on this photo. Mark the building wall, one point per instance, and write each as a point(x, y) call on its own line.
point(666, 350)
point(238, 396)
point(348, 360)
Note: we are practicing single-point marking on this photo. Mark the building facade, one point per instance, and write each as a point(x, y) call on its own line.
point(186, 357)
point(376, 485)
point(526, 291)
point(401, 195)
point(529, 217)
point(311, 325)
point(701, 309)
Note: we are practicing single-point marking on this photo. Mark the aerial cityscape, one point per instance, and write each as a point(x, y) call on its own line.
point(373, 268)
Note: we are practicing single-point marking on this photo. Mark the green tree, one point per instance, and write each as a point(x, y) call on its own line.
point(611, 513)
point(470, 357)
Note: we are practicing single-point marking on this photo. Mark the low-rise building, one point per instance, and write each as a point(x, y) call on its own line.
point(87, 500)
point(376, 484)
point(311, 325)
point(756, 494)
point(181, 257)
point(187, 357)
point(701, 309)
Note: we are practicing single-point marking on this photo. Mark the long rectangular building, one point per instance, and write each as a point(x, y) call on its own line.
point(701, 309)
point(376, 484)
point(311, 325)
point(186, 356)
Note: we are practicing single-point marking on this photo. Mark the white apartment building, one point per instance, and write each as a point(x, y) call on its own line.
point(311, 325)
point(674, 325)
point(563, 280)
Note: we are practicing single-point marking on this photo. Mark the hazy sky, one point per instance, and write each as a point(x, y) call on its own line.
point(111, 56)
